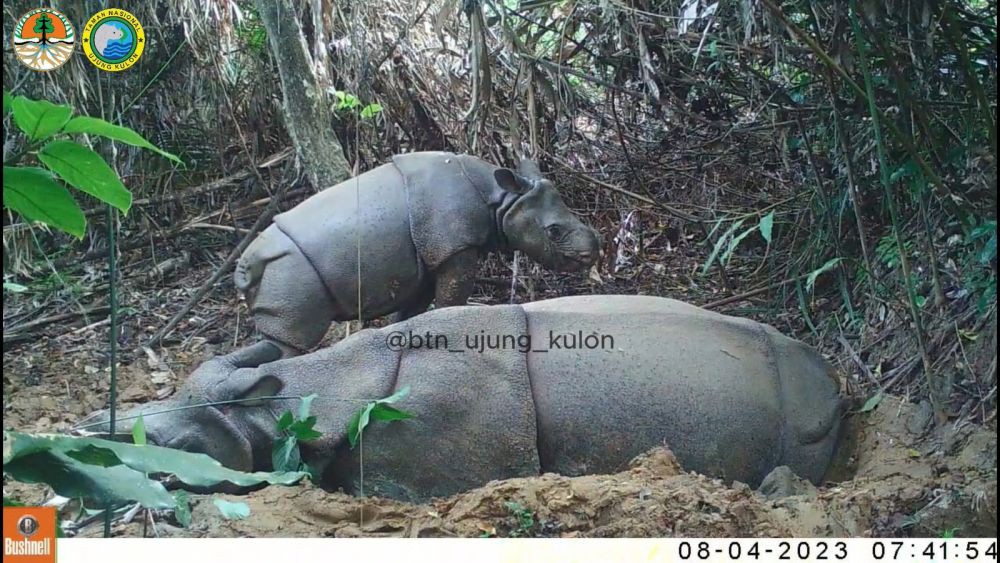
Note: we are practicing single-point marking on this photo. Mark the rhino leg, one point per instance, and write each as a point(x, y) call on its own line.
point(456, 278)
point(291, 306)
point(418, 305)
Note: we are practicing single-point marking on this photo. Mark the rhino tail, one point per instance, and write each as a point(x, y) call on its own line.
point(267, 247)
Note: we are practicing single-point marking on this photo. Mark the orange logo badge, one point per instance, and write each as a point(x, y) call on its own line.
point(43, 39)
point(29, 534)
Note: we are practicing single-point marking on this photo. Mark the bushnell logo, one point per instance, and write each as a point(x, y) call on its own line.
point(29, 534)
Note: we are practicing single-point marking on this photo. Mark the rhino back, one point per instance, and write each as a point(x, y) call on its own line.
point(475, 418)
point(702, 383)
point(328, 227)
point(448, 197)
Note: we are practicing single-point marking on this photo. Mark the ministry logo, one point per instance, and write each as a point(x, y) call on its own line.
point(44, 39)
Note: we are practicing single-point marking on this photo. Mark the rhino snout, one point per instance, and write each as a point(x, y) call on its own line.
point(583, 251)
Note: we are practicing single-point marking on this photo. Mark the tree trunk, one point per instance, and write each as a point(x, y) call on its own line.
point(308, 116)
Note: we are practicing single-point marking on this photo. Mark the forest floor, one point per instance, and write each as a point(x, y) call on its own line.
point(898, 474)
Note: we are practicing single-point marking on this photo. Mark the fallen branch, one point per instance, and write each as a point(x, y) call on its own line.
point(27, 327)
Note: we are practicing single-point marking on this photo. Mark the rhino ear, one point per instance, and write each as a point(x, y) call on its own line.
point(261, 388)
point(253, 356)
point(512, 181)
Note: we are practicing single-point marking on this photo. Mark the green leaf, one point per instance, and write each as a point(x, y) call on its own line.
point(197, 470)
point(182, 509)
point(232, 510)
point(303, 429)
point(39, 119)
point(370, 111)
point(379, 410)
point(811, 278)
point(872, 402)
point(386, 413)
point(139, 432)
point(285, 455)
point(285, 421)
point(733, 244)
point(307, 402)
point(73, 478)
point(35, 194)
point(85, 170)
point(14, 287)
point(718, 245)
point(7, 101)
point(765, 226)
point(95, 126)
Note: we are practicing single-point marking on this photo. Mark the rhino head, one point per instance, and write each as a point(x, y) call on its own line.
point(539, 224)
point(229, 406)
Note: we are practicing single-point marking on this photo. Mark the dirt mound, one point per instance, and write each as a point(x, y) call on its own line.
point(893, 479)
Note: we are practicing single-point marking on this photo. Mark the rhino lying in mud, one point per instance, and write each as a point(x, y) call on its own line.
point(573, 385)
point(422, 222)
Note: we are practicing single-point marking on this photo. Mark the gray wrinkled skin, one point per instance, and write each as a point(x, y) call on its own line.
point(731, 397)
point(422, 222)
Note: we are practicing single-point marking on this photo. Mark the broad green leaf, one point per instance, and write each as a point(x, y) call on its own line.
point(232, 510)
point(139, 432)
point(7, 101)
point(95, 126)
point(85, 170)
point(198, 470)
point(35, 194)
point(303, 429)
point(387, 412)
point(73, 478)
point(285, 421)
point(285, 456)
point(765, 226)
point(39, 119)
point(380, 410)
point(182, 510)
point(811, 278)
point(872, 402)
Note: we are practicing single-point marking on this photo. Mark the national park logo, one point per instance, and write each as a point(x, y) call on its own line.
point(113, 40)
point(44, 39)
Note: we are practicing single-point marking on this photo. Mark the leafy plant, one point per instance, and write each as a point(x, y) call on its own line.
point(39, 193)
point(114, 473)
point(380, 409)
point(524, 520)
point(286, 456)
point(815, 274)
point(347, 102)
point(731, 241)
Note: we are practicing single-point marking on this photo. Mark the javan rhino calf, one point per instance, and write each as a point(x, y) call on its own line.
point(421, 224)
point(731, 397)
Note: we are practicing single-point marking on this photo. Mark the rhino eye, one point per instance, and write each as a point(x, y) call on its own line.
point(554, 231)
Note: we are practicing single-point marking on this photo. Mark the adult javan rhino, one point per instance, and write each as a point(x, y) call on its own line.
point(421, 223)
point(731, 397)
